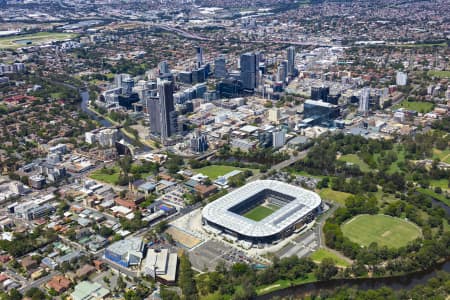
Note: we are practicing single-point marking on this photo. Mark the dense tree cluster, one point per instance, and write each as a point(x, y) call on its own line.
point(26, 242)
point(186, 279)
point(264, 156)
point(437, 288)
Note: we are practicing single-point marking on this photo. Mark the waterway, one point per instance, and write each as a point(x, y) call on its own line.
point(405, 282)
point(84, 107)
point(105, 123)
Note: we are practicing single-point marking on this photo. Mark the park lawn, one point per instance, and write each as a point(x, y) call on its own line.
point(258, 213)
point(442, 183)
point(400, 158)
point(108, 178)
point(114, 177)
point(422, 45)
point(384, 197)
point(37, 39)
point(439, 74)
point(384, 230)
point(56, 96)
point(215, 296)
point(434, 195)
point(354, 159)
point(284, 283)
point(394, 166)
point(443, 156)
point(335, 196)
point(318, 255)
point(215, 171)
point(419, 106)
point(303, 173)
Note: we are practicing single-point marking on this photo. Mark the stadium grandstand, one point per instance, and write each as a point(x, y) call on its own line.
point(263, 211)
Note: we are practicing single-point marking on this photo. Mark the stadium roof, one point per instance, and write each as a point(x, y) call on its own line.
point(219, 212)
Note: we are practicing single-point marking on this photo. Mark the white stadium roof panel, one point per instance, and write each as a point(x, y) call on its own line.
point(219, 212)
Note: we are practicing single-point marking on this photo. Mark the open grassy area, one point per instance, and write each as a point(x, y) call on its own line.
point(322, 253)
point(111, 175)
point(443, 156)
point(335, 196)
point(384, 230)
point(258, 213)
point(104, 176)
point(215, 171)
point(282, 284)
point(419, 106)
point(442, 183)
point(354, 159)
point(422, 45)
point(35, 39)
point(439, 74)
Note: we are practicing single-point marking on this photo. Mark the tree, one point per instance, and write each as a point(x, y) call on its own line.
point(186, 279)
point(35, 294)
point(326, 270)
point(121, 285)
point(161, 226)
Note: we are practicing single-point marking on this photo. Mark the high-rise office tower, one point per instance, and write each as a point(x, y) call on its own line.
point(279, 139)
point(120, 78)
point(199, 143)
point(291, 60)
point(364, 101)
point(320, 92)
point(168, 114)
point(282, 71)
point(163, 67)
point(220, 67)
point(248, 65)
point(154, 112)
point(401, 78)
point(199, 52)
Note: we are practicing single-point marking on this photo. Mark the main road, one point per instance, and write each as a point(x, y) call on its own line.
point(281, 165)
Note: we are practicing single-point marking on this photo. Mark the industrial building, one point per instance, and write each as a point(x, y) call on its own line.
point(160, 264)
point(127, 253)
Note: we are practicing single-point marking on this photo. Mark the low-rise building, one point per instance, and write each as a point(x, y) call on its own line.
point(87, 290)
point(127, 253)
point(161, 264)
point(59, 283)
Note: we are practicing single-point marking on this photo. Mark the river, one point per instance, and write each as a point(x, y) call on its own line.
point(84, 107)
point(105, 123)
point(396, 283)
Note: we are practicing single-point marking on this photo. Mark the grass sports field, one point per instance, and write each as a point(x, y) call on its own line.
point(35, 39)
point(384, 230)
point(215, 171)
point(419, 106)
point(439, 74)
point(260, 212)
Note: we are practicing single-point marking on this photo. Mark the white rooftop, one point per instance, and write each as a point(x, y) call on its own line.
point(303, 203)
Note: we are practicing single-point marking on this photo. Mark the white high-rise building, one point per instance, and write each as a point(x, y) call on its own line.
point(108, 137)
point(364, 101)
point(274, 115)
point(401, 78)
point(90, 137)
point(279, 139)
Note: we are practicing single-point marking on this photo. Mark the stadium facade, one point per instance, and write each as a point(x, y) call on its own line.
point(294, 207)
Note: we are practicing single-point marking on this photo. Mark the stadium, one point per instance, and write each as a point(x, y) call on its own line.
point(262, 211)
